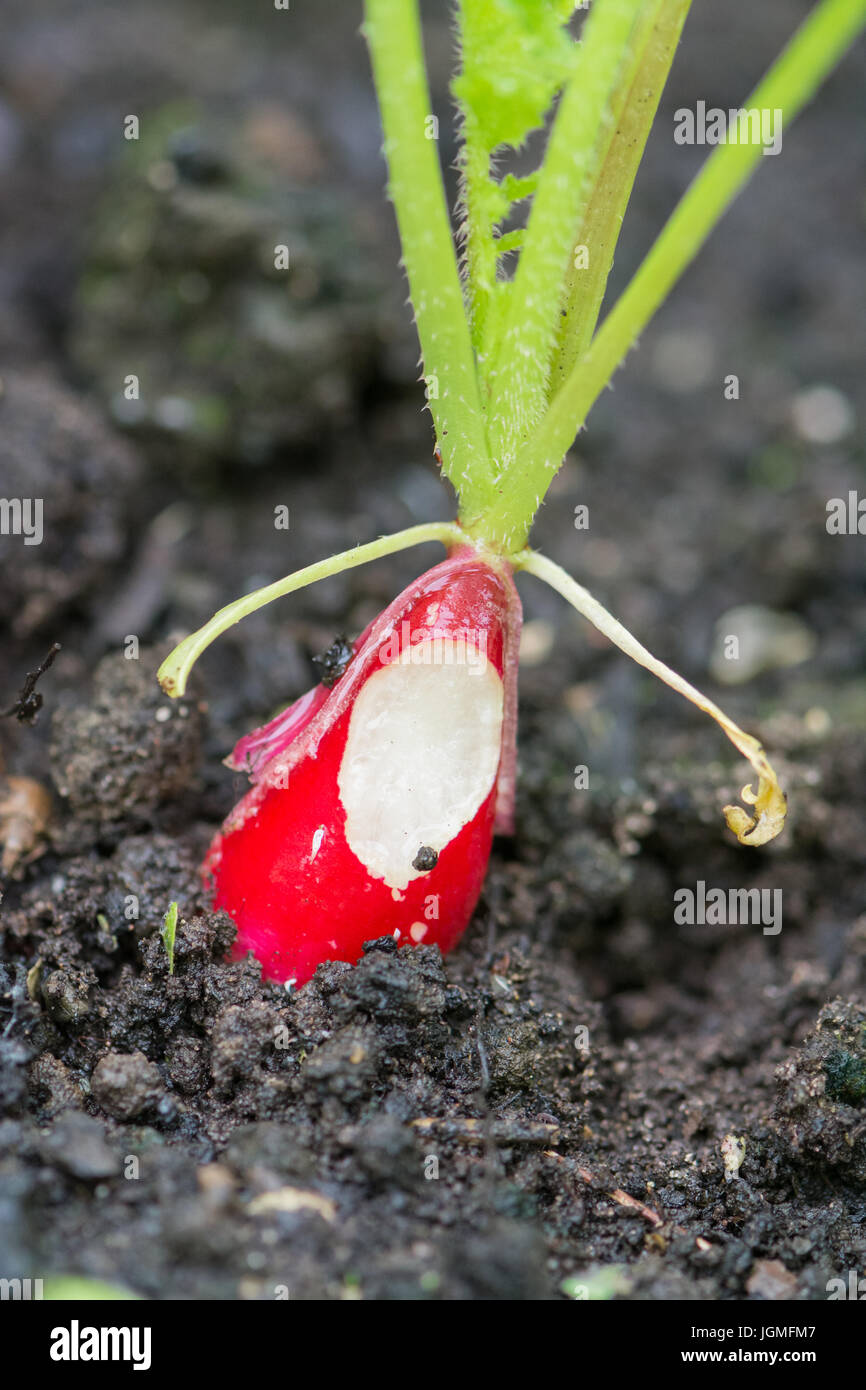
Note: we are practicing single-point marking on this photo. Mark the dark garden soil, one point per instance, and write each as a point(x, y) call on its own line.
point(558, 1096)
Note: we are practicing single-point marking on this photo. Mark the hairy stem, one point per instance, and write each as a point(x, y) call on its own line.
point(651, 53)
point(578, 140)
point(480, 248)
point(393, 33)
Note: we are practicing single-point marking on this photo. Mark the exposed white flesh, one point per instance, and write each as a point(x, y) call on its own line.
point(421, 754)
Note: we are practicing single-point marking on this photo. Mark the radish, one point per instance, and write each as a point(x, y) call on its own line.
point(375, 801)
point(376, 795)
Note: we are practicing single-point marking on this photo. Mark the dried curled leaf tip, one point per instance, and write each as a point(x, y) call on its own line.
point(169, 685)
point(769, 801)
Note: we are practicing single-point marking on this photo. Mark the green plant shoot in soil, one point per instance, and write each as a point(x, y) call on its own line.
point(507, 318)
point(169, 932)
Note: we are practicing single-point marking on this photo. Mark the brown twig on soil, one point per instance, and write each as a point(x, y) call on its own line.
point(29, 701)
point(622, 1198)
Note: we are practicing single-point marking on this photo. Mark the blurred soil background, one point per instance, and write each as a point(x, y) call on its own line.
point(546, 1112)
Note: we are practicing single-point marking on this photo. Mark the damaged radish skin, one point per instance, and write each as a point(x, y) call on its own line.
point(407, 762)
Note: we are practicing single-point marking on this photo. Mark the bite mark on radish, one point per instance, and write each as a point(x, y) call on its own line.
point(422, 754)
